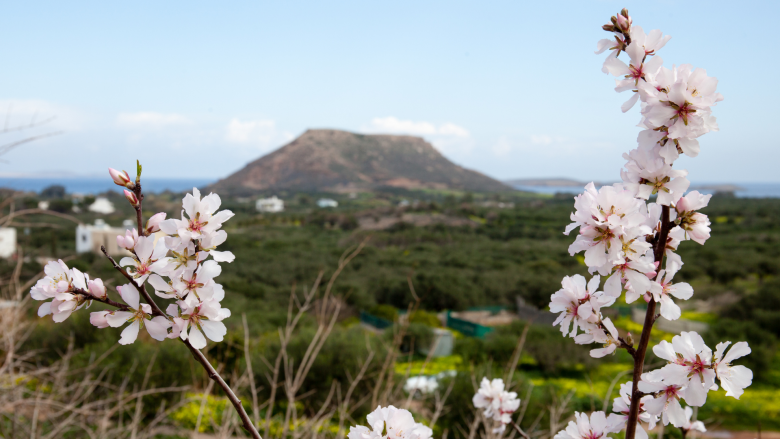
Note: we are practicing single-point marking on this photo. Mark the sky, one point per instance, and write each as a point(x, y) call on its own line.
point(512, 89)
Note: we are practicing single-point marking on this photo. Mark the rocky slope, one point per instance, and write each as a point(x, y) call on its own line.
point(340, 161)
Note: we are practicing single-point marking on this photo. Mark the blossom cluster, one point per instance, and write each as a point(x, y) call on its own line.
point(390, 423)
point(498, 404)
point(599, 425)
point(177, 257)
point(633, 242)
point(689, 376)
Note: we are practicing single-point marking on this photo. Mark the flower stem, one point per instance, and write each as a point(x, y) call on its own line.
point(644, 340)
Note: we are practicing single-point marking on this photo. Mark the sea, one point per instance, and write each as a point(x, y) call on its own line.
point(95, 185)
point(744, 190)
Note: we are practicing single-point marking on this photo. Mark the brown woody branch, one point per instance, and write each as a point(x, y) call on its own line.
point(138, 209)
point(105, 300)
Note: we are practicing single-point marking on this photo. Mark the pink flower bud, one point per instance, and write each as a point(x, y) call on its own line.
point(99, 319)
point(623, 23)
point(153, 224)
point(121, 178)
point(683, 205)
point(132, 198)
point(128, 241)
point(97, 289)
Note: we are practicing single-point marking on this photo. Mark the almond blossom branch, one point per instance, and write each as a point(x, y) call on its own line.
point(89, 296)
point(650, 317)
point(212, 373)
point(634, 243)
point(141, 288)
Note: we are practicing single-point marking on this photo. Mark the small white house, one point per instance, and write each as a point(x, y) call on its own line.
point(103, 206)
point(271, 205)
point(90, 237)
point(7, 242)
point(327, 202)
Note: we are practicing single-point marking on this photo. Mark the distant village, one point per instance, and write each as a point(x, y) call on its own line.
point(91, 237)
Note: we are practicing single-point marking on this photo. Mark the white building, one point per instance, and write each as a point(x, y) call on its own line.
point(7, 242)
point(327, 202)
point(89, 238)
point(102, 205)
point(272, 204)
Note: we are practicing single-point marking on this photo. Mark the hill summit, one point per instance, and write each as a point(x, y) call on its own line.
point(340, 161)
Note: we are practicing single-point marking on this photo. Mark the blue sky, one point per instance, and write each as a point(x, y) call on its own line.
point(512, 89)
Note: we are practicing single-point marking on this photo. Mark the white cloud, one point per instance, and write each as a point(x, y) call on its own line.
point(260, 135)
point(450, 129)
point(541, 140)
point(450, 139)
point(393, 125)
point(149, 119)
point(251, 131)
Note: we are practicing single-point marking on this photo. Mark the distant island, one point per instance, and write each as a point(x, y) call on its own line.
point(570, 183)
point(338, 161)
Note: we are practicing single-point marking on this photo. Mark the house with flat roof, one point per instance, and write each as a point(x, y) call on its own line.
point(270, 205)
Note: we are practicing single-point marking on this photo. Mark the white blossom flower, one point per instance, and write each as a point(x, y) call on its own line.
point(164, 289)
point(609, 219)
point(184, 256)
point(65, 303)
point(139, 315)
point(615, 45)
point(646, 173)
point(665, 400)
point(195, 286)
point(99, 319)
point(577, 303)
point(621, 406)
point(62, 285)
point(633, 275)
point(652, 42)
point(682, 102)
point(597, 334)
point(153, 223)
point(206, 317)
point(689, 366)
point(691, 224)
point(147, 259)
point(498, 404)
point(733, 379)
point(209, 243)
point(390, 423)
point(663, 289)
point(596, 427)
point(695, 425)
point(202, 217)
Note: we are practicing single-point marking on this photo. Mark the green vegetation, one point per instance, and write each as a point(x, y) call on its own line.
point(490, 257)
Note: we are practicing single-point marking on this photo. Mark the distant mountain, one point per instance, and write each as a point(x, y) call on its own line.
point(340, 161)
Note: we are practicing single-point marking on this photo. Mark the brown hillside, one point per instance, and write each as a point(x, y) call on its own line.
point(340, 161)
